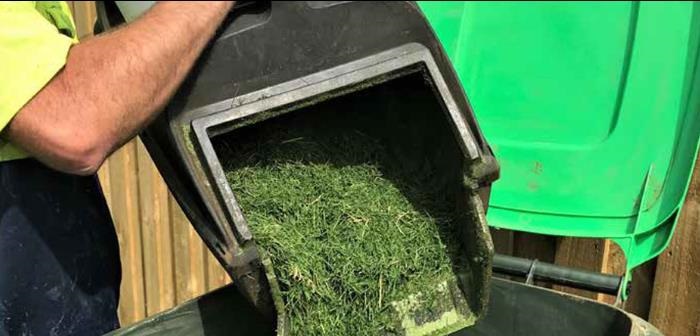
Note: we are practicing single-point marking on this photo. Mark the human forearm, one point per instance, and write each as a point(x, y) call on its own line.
point(113, 85)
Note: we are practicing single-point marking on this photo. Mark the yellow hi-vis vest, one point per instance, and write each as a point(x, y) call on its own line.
point(35, 37)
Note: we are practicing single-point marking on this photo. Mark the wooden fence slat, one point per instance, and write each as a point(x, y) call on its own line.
point(639, 302)
point(190, 259)
point(534, 246)
point(198, 263)
point(503, 240)
point(156, 235)
point(105, 183)
point(675, 305)
point(125, 212)
point(181, 252)
point(216, 275)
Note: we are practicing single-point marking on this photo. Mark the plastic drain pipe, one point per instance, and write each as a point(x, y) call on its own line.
point(555, 274)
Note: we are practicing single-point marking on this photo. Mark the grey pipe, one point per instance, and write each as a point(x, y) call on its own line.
point(555, 274)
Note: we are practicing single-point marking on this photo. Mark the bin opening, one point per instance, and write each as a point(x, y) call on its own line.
point(357, 198)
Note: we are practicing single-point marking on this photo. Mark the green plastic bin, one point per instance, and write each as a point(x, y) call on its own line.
point(591, 109)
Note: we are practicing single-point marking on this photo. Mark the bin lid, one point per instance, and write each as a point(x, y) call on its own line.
point(591, 110)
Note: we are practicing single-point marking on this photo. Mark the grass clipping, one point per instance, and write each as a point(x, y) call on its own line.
point(357, 246)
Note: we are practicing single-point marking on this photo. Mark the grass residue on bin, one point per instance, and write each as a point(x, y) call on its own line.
point(350, 231)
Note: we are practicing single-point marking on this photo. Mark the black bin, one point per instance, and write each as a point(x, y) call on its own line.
point(515, 309)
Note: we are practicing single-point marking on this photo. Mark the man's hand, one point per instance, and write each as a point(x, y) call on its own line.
point(113, 85)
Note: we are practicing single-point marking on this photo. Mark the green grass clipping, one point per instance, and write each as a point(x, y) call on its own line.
point(359, 244)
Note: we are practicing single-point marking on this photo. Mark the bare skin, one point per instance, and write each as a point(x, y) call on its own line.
point(113, 85)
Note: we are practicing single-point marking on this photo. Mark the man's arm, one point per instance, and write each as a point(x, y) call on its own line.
point(112, 85)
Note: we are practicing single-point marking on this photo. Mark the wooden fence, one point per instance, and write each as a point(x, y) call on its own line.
point(165, 263)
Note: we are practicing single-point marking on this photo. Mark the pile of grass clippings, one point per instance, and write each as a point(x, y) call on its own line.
point(347, 229)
